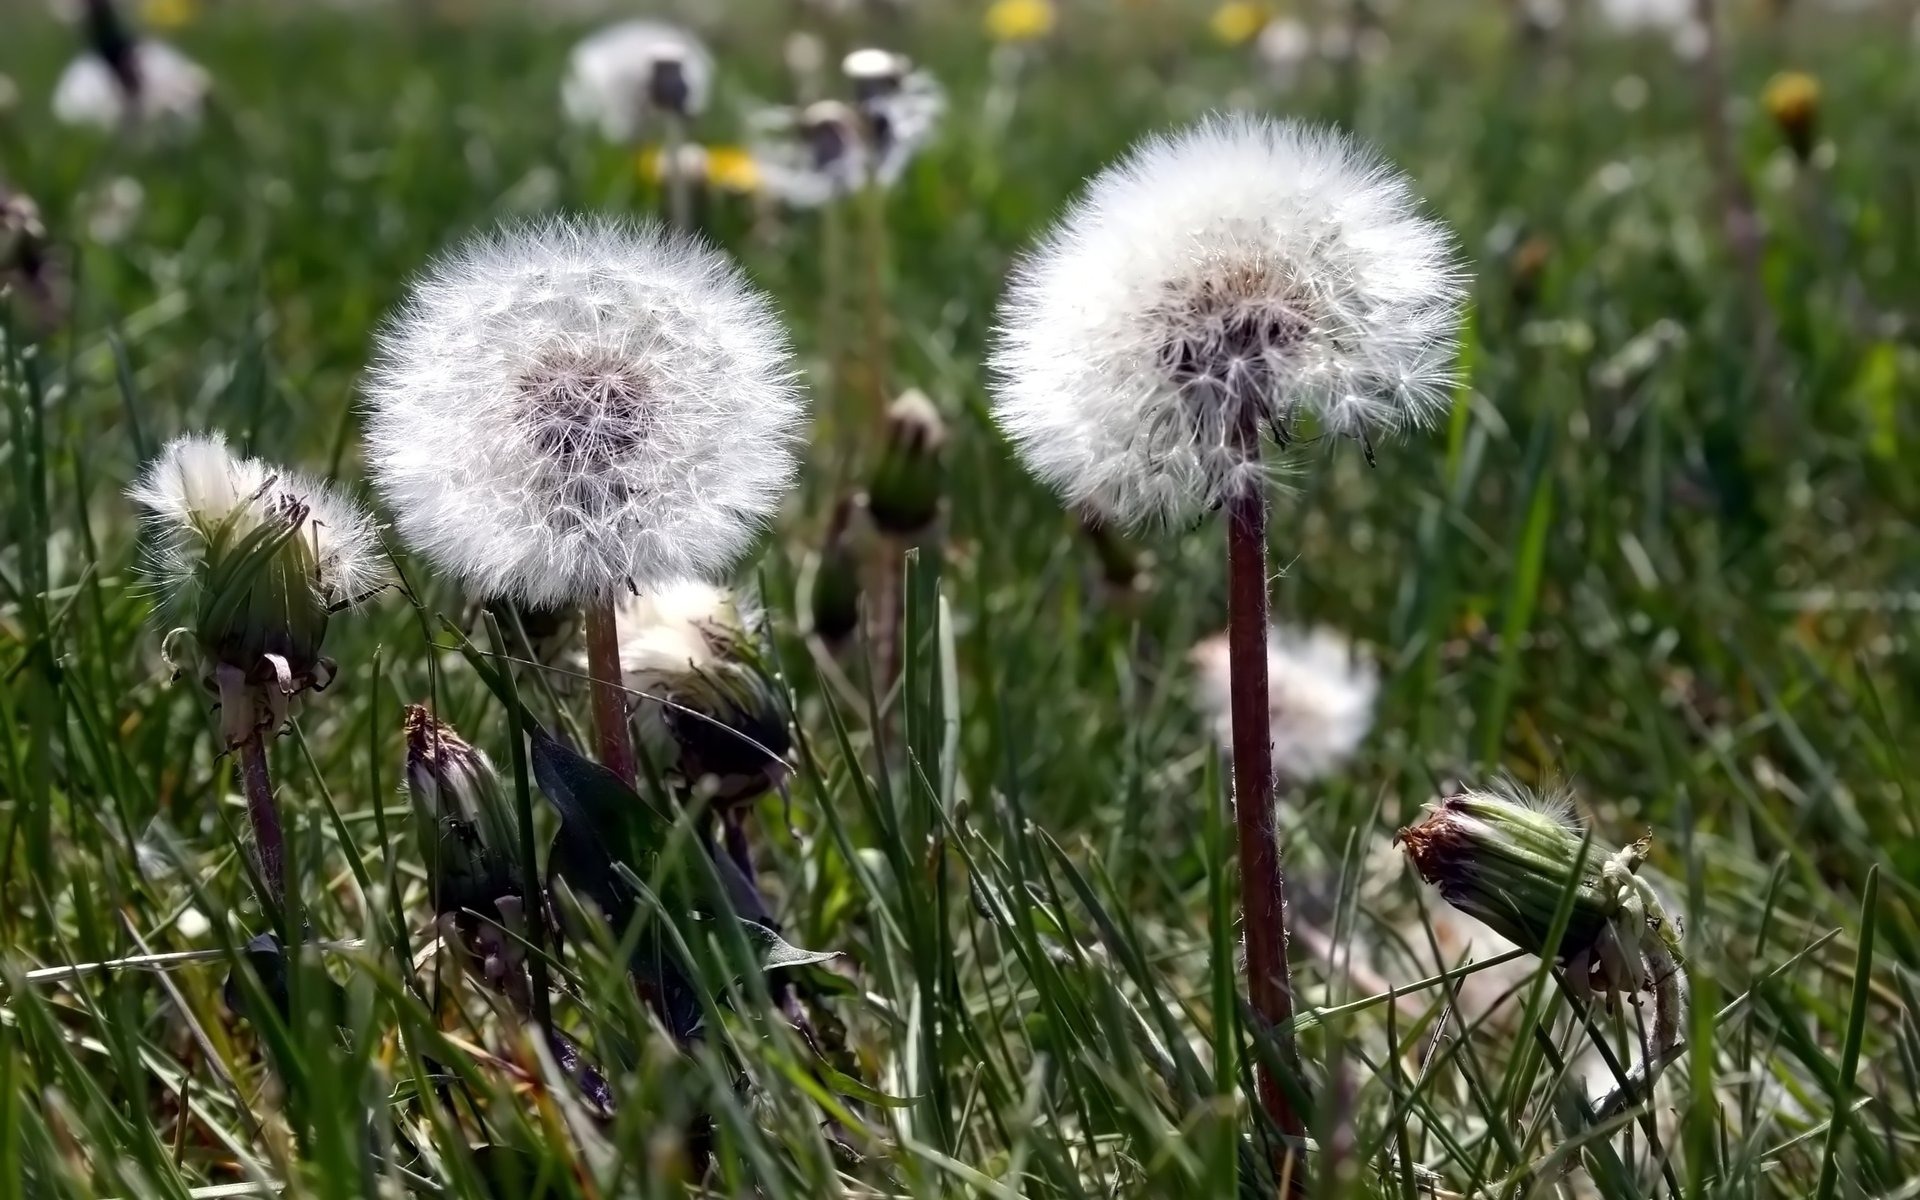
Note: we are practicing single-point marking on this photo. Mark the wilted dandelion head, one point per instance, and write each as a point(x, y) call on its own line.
point(564, 412)
point(706, 708)
point(623, 74)
point(1237, 275)
point(151, 84)
point(250, 561)
point(1320, 696)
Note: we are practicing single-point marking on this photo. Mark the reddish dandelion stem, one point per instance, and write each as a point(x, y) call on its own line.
point(1263, 898)
point(609, 693)
point(269, 843)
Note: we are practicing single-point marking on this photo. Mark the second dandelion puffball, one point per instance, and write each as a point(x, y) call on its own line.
point(1244, 270)
point(564, 412)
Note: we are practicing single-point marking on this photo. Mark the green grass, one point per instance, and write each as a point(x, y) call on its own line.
point(1640, 557)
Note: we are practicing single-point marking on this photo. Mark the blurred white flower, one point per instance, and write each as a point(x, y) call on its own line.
point(166, 88)
point(114, 209)
point(829, 149)
point(1243, 271)
point(1321, 691)
point(621, 76)
point(563, 412)
point(1284, 45)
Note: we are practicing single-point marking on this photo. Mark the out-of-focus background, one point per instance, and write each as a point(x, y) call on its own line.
point(1664, 549)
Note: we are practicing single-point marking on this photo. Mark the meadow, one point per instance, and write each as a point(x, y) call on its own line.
point(1662, 550)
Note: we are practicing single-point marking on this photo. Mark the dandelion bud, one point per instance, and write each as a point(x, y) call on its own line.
point(705, 709)
point(250, 563)
point(1125, 568)
point(904, 493)
point(834, 598)
point(1507, 862)
point(1529, 264)
point(831, 133)
point(1792, 99)
point(26, 260)
point(460, 804)
point(565, 412)
point(619, 77)
point(1217, 283)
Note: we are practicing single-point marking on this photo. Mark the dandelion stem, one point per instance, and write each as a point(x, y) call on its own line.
point(1263, 898)
point(609, 697)
point(679, 190)
point(268, 840)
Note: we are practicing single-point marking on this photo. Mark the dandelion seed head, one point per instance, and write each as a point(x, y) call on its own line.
point(1320, 694)
point(1243, 267)
point(562, 413)
point(171, 89)
point(619, 77)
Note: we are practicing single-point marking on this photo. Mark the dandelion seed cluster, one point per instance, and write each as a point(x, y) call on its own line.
point(564, 412)
point(1321, 692)
point(1243, 269)
point(619, 77)
point(170, 88)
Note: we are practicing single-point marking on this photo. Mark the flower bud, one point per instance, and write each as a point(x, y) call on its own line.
point(1792, 99)
point(459, 803)
point(1508, 864)
point(250, 562)
point(705, 709)
point(903, 494)
point(834, 598)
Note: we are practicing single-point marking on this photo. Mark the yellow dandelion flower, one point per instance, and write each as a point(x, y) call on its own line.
point(1020, 20)
point(168, 14)
point(733, 169)
point(1237, 21)
point(1792, 99)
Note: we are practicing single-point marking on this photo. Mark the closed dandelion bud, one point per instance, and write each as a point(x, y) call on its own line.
point(904, 493)
point(1792, 99)
point(1529, 264)
point(834, 598)
point(705, 710)
point(460, 805)
point(1124, 566)
point(1507, 860)
point(250, 563)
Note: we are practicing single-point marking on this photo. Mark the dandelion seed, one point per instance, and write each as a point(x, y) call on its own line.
point(624, 75)
point(1245, 269)
point(1320, 697)
point(565, 412)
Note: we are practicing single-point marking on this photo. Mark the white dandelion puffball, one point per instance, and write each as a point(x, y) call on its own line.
point(170, 88)
point(619, 77)
point(1245, 270)
point(562, 413)
point(1320, 695)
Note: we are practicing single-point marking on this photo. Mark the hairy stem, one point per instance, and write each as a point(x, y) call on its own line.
point(1263, 897)
point(609, 693)
point(270, 844)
